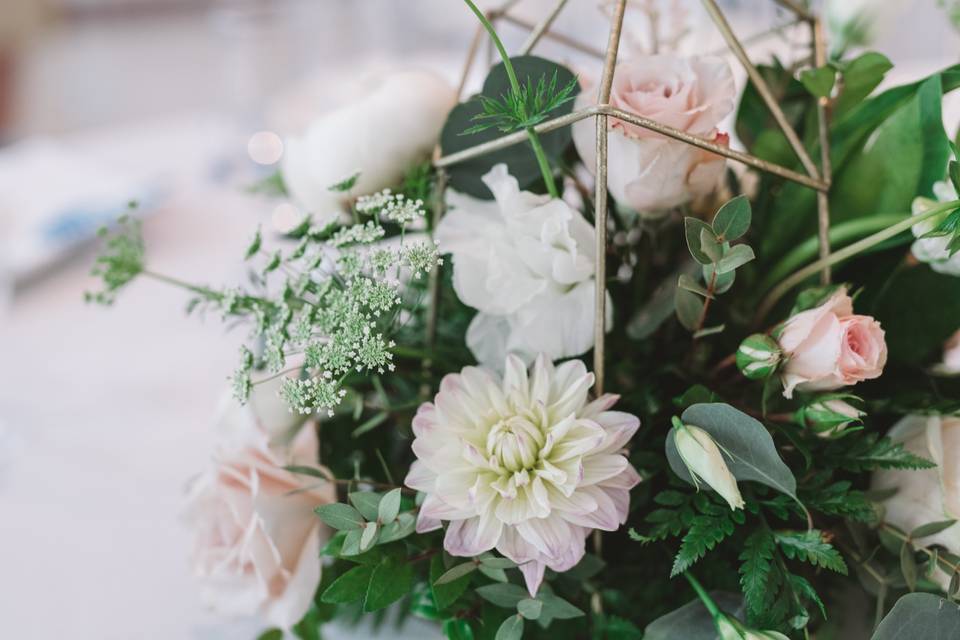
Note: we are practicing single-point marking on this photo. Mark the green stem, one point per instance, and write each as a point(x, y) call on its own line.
point(839, 235)
point(704, 596)
point(846, 253)
point(538, 151)
point(208, 293)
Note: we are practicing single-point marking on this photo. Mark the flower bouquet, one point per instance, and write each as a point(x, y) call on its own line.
point(560, 361)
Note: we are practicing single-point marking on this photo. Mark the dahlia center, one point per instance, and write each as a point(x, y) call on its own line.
point(515, 443)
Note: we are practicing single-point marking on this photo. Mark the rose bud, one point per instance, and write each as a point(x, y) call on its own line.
point(829, 416)
point(704, 460)
point(758, 356)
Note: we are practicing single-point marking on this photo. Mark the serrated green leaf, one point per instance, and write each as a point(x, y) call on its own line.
point(809, 546)
point(389, 507)
point(340, 516)
point(757, 560)
point(733, 219)
point(705, 533)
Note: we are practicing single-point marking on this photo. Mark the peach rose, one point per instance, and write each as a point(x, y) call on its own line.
point(951, 357)
point(926, 495)
point(829, 347)
point(647, 171)
point(256, 537)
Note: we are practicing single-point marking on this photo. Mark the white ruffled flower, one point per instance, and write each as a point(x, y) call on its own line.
point(526, 263)
point(934, 250)
point(950, 366)
point(523, 464)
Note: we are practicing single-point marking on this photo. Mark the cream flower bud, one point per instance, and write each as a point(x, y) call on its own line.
point(704, 460)
point(830, 415)
point(758, 356)
point(950, 366)
point(731, 629)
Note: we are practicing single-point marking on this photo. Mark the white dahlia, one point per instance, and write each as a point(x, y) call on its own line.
point(524, 464)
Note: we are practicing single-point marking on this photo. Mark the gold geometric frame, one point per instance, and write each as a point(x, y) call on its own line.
point(816, 178)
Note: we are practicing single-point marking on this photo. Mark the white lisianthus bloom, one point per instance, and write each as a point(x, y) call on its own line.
point(934, 250)
point(926, 495)
point(705, 462)
point(523, 464)
point(380, 135)
point(526, 263)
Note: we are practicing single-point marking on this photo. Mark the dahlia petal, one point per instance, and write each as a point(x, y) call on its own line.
point(626, 479)
point(513, 546)
point(619, 426)
point(606, 515)
point(599, 405)
point(420, 477)
point(579, 502)
point(425, 524)
point(549, 535)
point(515, 377)
point(540, 380)
point(435, 508)
point(533, 576)
point(472, 536)
point(602, 467)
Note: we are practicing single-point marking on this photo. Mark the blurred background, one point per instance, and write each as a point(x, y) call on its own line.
point(180, 106)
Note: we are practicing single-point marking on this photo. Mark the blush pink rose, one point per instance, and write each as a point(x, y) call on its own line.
point(829, 347)
point(648, 171)
point(256, 537)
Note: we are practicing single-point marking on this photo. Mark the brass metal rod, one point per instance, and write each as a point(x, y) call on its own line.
point(826, 171)
point(553, 35)
point(762, 88)
point(582, 114)
point(514, 138)
point(541, 28)
point(707, 145)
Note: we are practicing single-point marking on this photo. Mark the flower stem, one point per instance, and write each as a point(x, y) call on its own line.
point(208, 293)
point(703, 595)
point(840, 234)
point(846, 253)
point(532, 136)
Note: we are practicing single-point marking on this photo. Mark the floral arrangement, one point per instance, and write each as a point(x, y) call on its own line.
point(414, 425)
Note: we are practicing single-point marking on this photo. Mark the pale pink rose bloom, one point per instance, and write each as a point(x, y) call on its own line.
point(829, 347)
point(926, 495)
point(256, 537)
point(951, 357)
point(648, 171)
point(523, 464)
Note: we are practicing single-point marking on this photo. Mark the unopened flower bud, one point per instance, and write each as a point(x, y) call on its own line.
point(830, 415)
point(732, 629)
point(704, 460)
point(758, 356)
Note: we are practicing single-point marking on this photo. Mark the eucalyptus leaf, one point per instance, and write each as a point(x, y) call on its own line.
point(390, 581)
point(457, 572)
point(511, 629)
point(389, 507)
point(349, 587)
point(749, 450)
point(368, 537)
point(689, 284)
point(711, 245)
point(403, 526)
point(693, 228)
point(736, 257)
point(503, 595)
point(920, 616)
point(366, 502)
point(733, 219)
point(908, 566)
point(689, 308)
point(931, 528)
point(724, 280)
point(530, 608)
point(445, 594)
point(340, 516)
